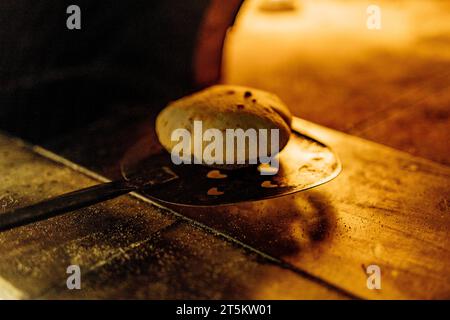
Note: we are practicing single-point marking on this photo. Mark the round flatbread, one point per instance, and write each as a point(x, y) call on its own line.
point(224, 108)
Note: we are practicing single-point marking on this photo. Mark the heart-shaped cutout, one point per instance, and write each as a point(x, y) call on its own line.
point(265, 168)
point(268, 184)
point(214, 192)
point(216, 174)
